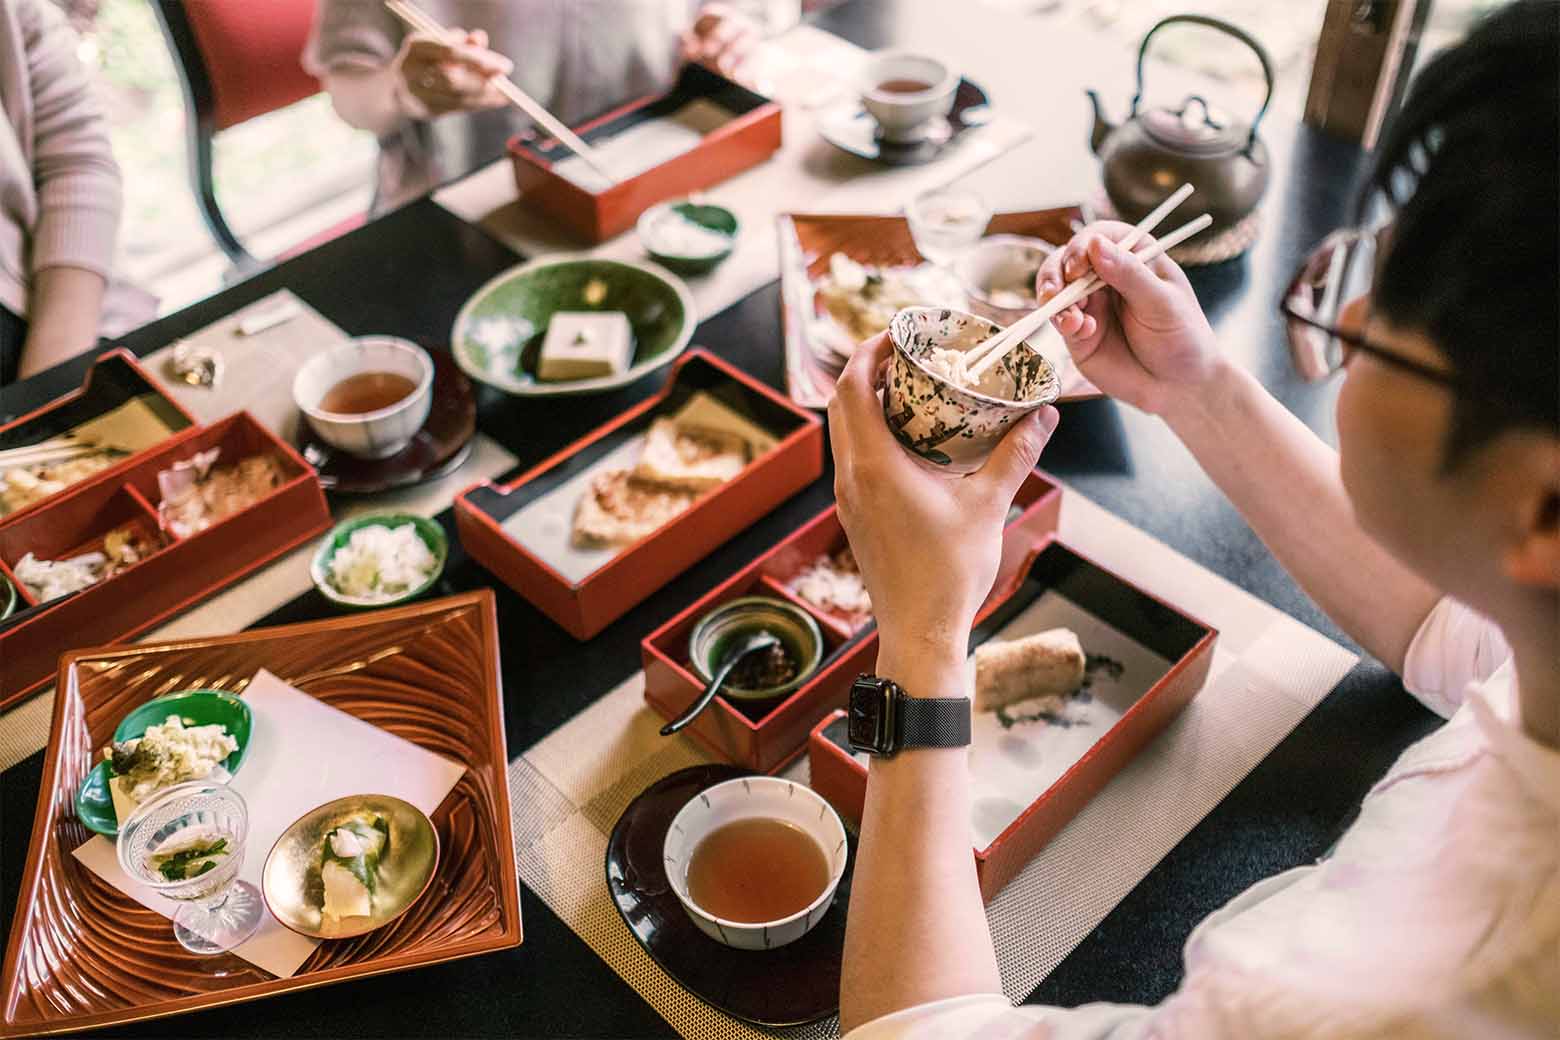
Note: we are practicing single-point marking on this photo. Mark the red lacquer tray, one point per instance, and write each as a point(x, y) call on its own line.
point(587, 605)
point(766, 737)
point(808, 240)
point(82, 955)
point(838, 775)
point(166, 582)
point(750, 136)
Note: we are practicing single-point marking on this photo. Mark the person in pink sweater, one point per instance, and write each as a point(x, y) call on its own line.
point(60, 200)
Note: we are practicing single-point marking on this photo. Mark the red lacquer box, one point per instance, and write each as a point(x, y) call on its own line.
point(587, 603)
point(169, 580)
point(1184, 644)
point(114, 379)
point(747, 132)
point(767, 736)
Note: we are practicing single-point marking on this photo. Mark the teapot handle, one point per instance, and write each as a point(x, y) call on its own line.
point(1224, 27)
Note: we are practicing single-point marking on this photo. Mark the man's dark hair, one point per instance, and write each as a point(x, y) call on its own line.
point(1470, 168)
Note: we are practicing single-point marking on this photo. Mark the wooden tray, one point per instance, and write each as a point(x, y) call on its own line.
point(1187, 644)
point(765, 737)
point(750, 136)
point(587, 605)
point(170, 580)
point(82, 955)
point(808, 240)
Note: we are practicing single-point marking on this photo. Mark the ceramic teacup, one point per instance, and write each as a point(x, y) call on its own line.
point(375, 434)
point(951, 427)
point(743, 798)
point(905, 115)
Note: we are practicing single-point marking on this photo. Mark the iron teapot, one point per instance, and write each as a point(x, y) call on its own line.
point(1156, 151)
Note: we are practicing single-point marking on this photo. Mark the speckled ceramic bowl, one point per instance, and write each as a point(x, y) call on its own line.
point(948, 426)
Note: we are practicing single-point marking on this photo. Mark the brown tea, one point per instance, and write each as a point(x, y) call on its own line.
point(366, 392)
point(758, 869)
point(903, 86)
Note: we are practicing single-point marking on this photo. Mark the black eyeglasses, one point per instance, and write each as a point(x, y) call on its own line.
point(1339, 270)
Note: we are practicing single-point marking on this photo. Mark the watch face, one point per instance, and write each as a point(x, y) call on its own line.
point(869, 724)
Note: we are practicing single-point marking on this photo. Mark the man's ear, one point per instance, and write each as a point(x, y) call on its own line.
point(1534, 558)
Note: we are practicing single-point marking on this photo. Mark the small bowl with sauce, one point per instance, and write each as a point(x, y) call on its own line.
point(905, 92)
point(765, 676)
point(755, 861)
point(688, 237)
point(367, 397)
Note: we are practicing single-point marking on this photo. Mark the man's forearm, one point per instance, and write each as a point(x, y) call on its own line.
point(64, 310)
point(1285, 482)
point(917, 929)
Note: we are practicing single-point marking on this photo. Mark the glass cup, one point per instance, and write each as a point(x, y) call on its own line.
point(946, 222)
point(217, 910)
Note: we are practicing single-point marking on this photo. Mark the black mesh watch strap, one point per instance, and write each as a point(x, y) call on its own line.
point(939, 722)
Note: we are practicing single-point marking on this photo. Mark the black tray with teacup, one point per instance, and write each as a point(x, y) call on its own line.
point(854, 130)
point(787, 985)
point(439, 447)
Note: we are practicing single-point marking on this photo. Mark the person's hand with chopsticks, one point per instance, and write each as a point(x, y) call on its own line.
point(722, 38)
point(440, 76)
point(1144, 337)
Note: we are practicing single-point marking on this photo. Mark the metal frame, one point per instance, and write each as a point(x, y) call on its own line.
point(200, 120)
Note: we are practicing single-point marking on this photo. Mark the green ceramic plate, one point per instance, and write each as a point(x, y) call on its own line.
point(94, 804)
point(498, 333)
point(429, 531)
point(715, 218)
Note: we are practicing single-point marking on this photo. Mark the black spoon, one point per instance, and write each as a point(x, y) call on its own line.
point(760, 640)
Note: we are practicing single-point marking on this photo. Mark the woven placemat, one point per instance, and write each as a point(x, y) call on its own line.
point(1269, 671)
point(258, 379)
point(1202, 249)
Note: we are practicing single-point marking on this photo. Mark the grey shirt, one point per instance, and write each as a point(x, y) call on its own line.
point(579, 58)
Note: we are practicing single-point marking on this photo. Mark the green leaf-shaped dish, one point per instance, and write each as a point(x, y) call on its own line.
point(498, 333)
point(94, 803)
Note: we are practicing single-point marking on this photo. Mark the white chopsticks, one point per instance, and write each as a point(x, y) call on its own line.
point(421, 21)
point(985, 355)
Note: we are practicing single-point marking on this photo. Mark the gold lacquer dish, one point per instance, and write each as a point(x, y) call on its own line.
point(82, 954)
point(386, 872)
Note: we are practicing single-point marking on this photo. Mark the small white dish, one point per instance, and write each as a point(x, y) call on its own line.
point(740, 799)
point(998, 276)
point(370, 435)
point(905, 116)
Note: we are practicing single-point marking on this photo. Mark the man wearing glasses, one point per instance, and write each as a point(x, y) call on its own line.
point(1432, 536)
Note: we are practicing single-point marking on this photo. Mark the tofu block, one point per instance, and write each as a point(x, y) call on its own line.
point(1046, 663)
point(585, 344)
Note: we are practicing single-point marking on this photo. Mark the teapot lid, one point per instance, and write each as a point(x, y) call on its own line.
point(1199, 130)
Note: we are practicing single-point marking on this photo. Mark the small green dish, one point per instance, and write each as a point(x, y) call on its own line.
point(429, 531)
point(714, 218)
point(8, 597)
point(94, 803)
point(736, 619)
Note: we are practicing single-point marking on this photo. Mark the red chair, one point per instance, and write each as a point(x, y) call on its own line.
point(239, 59)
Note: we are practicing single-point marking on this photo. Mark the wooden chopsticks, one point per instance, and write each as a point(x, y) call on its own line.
point(47, 452)
point(421, 21)
point(984, 355)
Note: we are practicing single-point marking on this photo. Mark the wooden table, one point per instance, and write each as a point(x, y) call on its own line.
point(409, 272)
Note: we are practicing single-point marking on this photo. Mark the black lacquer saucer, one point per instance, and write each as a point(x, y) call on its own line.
point(789, 986)
point(438, 449)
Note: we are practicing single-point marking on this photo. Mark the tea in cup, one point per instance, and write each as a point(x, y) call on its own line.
point(905, 93)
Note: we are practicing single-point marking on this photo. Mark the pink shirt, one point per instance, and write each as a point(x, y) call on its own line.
point(1437, 915)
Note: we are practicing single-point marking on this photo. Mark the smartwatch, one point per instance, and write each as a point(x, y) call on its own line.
point(883, 720)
